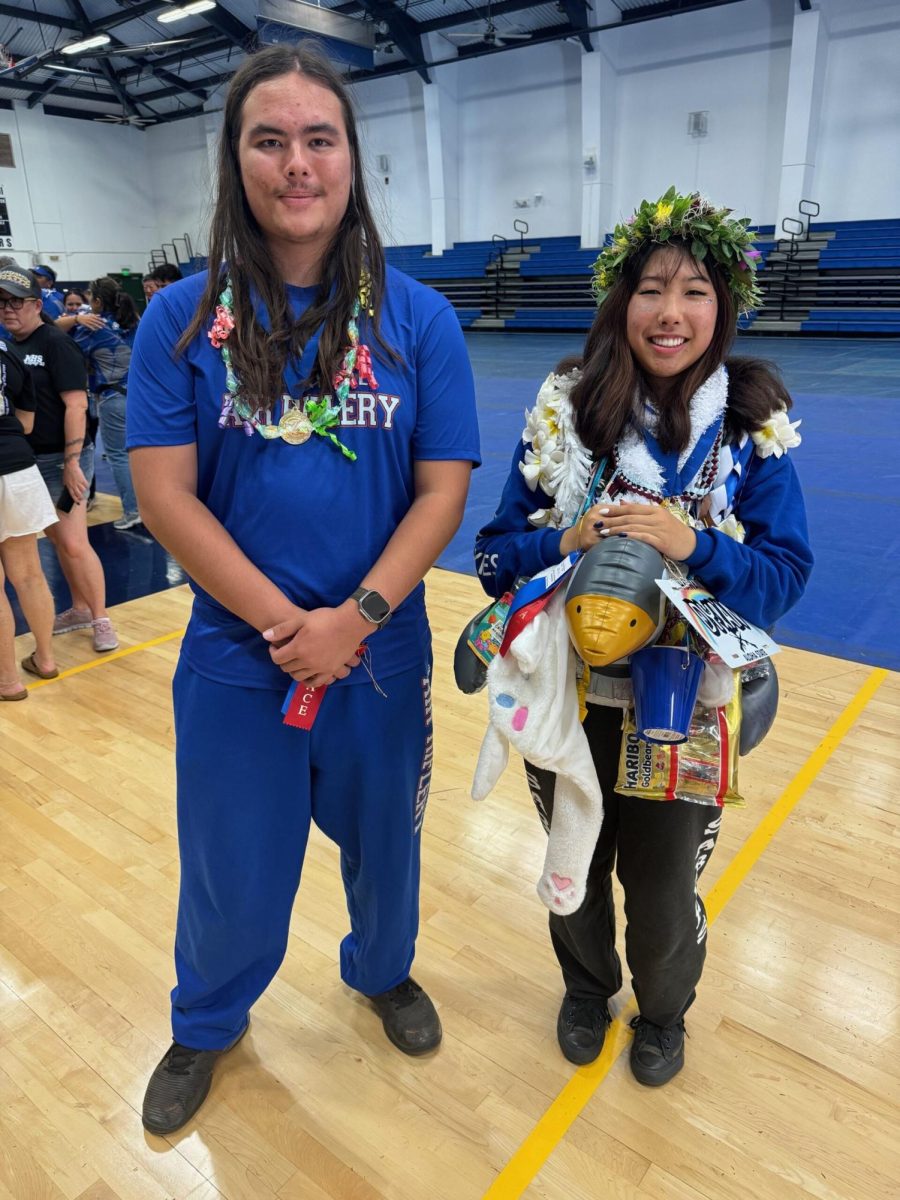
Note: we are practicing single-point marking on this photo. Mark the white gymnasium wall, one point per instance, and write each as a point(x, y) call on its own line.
point(731, 62)
point(519, 137)
point(80, 192)
point(858, 159)
point(178, 179)
point(392, 122)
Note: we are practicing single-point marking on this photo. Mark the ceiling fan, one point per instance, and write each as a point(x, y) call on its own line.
point(125, 119)
point(490, 35)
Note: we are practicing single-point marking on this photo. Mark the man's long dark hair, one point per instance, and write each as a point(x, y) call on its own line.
point(604, 397)
point(238, 249)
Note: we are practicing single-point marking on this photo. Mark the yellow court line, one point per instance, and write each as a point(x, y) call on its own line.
point(552, 1127)
point(107, 658)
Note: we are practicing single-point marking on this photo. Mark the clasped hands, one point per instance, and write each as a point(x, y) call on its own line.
point(650, 523)
point(319, 646)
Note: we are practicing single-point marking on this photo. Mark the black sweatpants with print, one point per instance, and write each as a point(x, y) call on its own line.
point(658, 849)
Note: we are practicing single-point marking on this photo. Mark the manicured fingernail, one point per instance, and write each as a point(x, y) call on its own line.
point(598, 524)
point(604, 512)
point(605, 532)
point(621, 535)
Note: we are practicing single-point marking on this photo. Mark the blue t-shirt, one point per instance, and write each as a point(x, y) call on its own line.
point(310, 519)
point(54, 303)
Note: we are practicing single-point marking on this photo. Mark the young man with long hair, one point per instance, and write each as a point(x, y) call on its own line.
point(302, 427)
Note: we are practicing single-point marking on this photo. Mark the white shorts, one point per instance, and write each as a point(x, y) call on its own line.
point(25, 504)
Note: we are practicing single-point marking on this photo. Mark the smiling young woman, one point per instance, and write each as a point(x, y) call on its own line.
point(684, 446)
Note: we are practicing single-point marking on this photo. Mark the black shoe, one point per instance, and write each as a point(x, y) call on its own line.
point(581, 1028)
point(409, 1018)
point(179, 1085)
point(657, 1052)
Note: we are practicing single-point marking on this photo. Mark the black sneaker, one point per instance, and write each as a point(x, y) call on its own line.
point(581, 1028)
point(409, 1018)
point(179, 1085)
point(657, 1052)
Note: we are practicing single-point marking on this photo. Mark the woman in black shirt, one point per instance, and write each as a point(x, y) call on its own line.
point(25, 509)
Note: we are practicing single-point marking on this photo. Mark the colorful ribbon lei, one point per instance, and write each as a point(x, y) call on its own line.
point(317, 416)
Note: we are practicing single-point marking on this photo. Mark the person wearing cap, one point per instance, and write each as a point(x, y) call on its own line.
point(62, 446)
point(25, 509)
point(54, 300)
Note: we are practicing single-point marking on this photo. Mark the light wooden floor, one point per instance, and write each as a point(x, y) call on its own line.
point(791, 1085)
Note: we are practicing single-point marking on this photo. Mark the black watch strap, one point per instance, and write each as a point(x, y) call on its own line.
point(373, 606)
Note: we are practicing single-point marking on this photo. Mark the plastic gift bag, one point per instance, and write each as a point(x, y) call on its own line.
point(703, 769)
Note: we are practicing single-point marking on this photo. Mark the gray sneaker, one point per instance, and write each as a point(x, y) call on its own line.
point(127, 522)
point(104, 635)
point(71, 619)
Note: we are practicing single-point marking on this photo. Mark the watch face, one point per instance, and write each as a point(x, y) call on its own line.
point(375, 608)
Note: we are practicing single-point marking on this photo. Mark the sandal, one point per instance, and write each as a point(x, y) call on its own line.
point(23, 695)
point(29, 665)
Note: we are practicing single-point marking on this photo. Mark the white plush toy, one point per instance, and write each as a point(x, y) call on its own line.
point(534, 705)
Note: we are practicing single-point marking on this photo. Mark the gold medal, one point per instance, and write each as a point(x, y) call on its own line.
point(295, 427)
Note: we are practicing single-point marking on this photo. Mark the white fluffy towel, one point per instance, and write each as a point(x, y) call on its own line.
point(534, 705)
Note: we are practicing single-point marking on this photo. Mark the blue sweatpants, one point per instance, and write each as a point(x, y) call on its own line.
point(248, 787)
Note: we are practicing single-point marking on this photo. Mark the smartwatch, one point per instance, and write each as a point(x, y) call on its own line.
point(373, 606)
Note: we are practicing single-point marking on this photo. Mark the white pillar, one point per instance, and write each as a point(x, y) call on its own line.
point(598, 101)
point(441, 107)
point(809, 54)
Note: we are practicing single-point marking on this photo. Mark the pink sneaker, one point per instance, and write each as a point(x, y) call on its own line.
point(104, 635)
point(71, 619)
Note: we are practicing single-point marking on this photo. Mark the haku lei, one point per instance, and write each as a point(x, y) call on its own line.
point(318, 415)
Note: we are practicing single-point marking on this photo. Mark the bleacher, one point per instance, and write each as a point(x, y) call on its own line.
point(845, 279)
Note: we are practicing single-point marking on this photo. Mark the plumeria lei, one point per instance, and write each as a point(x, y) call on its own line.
point(557, 462)
point(704, 228)
point(776, 436)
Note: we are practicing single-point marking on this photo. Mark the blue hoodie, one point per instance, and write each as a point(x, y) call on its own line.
point(761, 578)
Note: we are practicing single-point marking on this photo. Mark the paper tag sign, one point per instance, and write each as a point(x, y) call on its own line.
point(301, 705)
point(735, 640)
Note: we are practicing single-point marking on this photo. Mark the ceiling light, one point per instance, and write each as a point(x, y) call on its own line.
point(88, 44)
point(185, 10)
point(74, 71)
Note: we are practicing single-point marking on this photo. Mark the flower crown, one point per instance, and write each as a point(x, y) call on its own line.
point(702, 227)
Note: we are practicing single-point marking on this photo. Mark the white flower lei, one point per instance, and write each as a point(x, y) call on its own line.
point(557, 461)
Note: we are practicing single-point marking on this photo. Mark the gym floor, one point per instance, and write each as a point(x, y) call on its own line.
point(789, 1091)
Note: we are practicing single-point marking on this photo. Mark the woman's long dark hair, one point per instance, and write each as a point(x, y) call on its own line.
point(259, 357)
point(604, 397)
point(114, 300)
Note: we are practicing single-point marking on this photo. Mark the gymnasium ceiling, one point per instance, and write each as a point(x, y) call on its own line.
point(133, 79)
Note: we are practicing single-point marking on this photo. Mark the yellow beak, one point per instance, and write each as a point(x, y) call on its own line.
point(605, 629)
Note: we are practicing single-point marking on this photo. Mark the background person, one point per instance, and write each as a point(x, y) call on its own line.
point(75, 302)
point(307, 528)
point(25, 509)
point(159, 278)
point(108, 354)
point(52, 297)
point(62, 448)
